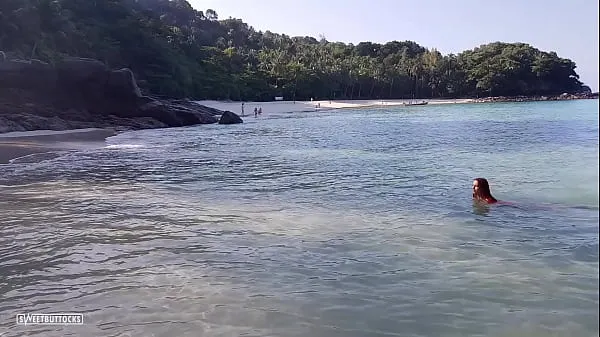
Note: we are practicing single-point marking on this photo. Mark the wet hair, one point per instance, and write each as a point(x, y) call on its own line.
point(483, 192)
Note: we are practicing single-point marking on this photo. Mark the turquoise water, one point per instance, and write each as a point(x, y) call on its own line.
point(338, 223)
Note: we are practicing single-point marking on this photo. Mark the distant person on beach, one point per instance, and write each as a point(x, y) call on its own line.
point(255, 112)
point(260, 110)
point(242, 109)
point(481, 191)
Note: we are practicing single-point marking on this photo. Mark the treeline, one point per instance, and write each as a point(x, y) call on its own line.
point(177, 51)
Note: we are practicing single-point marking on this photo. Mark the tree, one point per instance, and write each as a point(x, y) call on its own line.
point(211, 15)
point(175, 50)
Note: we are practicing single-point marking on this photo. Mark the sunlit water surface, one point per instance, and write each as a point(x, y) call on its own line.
point(339, 223)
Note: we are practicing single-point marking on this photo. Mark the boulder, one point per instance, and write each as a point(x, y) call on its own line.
point(122, 83)
point(80, 70)
point(85, 92)
point(173, 115)
point(81, 84)
point(30, 75)
point(229, 117)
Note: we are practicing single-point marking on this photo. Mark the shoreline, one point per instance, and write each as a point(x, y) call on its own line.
point(19, 144)
point(328, 105)
point(310, 106)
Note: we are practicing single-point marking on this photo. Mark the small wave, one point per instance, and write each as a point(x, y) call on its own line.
point(124, 146)
point(37, 157)
point(586, 207)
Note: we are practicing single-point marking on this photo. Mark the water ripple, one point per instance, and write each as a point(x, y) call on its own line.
point(322, 224)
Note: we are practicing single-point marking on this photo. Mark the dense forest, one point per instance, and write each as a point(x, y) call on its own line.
point(177, 51)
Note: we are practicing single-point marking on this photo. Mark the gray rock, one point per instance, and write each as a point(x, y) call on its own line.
point(229, 117)
point(174, 115)
point(30, 75)
point(122, 82)
point(76, 70)
point(80, 92)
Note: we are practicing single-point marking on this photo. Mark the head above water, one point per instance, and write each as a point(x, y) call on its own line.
point(481, 190)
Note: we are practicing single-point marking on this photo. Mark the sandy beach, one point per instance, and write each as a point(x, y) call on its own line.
point(306, 106)
point(20, 144)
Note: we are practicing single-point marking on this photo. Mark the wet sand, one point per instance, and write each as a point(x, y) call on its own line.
point(19, 144)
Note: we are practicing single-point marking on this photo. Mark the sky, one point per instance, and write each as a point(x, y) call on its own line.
point(568, 27)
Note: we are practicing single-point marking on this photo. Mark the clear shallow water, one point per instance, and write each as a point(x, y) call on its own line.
point(343, 223)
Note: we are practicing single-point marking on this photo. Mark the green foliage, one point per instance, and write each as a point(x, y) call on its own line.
point(180, 52)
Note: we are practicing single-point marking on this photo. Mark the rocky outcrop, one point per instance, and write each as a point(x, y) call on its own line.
point(79, 92)
point(229, 117)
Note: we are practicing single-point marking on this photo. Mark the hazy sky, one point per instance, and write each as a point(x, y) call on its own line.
point(568, 27)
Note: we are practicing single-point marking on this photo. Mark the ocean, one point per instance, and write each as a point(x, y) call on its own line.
point(354, 222)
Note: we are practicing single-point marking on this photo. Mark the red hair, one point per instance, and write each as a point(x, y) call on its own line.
point(483, 191)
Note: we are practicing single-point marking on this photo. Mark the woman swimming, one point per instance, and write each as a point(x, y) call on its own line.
point(481, 191)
